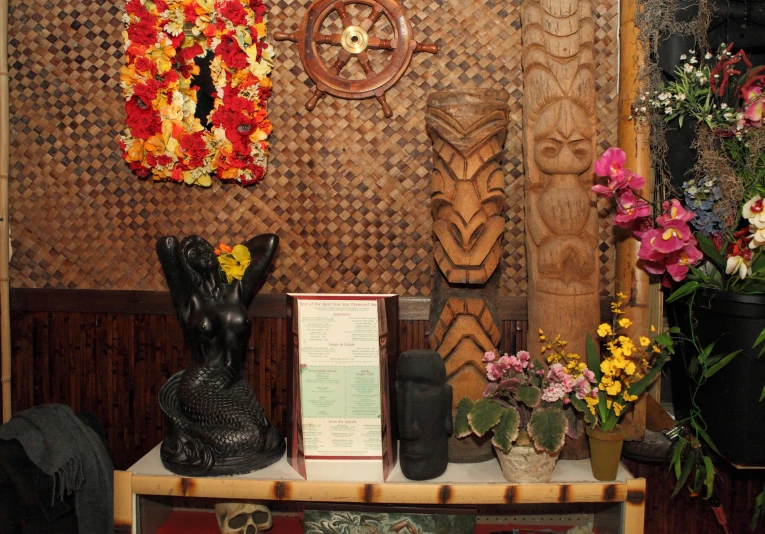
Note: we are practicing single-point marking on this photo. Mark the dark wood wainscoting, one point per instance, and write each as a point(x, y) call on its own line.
point(111, 357)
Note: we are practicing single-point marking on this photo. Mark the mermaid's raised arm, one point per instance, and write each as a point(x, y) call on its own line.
point(262, 249)
point(169, 253)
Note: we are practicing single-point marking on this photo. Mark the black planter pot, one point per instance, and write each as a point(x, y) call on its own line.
point(728, 400)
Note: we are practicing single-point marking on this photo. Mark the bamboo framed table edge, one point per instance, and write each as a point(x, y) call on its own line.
point(631, 493)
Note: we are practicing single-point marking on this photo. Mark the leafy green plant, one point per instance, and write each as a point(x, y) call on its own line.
point(524, 403)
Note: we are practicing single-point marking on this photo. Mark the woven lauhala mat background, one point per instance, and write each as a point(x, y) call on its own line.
point(347, 191)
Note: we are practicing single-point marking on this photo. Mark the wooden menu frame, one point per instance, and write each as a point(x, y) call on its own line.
point(387, 311)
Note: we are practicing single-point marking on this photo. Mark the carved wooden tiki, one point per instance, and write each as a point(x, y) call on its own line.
point(468, 130)
point(559, 129)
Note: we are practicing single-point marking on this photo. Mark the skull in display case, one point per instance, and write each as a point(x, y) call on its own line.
point(243, 518)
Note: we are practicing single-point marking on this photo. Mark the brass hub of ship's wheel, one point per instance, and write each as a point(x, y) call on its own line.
point(355, 41)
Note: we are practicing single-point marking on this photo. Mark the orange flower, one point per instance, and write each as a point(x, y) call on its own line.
point(135, 152)
point(223, 248)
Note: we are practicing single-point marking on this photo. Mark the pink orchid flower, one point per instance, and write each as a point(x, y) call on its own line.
point(647, 250)
point(673, 237)
point(614, 185)
point(629, 207)
point(634, 181)
point(679, 262)
point(611, 163)
point(674, 211)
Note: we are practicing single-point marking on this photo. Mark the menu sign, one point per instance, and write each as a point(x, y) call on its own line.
point(340, 378)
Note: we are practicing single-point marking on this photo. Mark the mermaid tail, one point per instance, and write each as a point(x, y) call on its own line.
point(215, 425)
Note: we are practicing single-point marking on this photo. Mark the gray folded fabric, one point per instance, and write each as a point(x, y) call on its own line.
point(60, 445)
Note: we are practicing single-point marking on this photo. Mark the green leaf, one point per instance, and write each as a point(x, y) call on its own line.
point(698, 273)
point(707, 439)
point(461, 425)
point(762, 395)
point(759, 509)
point(709, 480)
point(547, 429)
point(722, 363)
point(529, 395)
point(677, 457)
point(593, 359)
point(638, 387)
point(484, 416)
point(663, 339)
point(687, 468)
point(685, 289)
point(704, 354)
point(507, 429)
point(759, 340)
point(693, 367)
point(710, 251)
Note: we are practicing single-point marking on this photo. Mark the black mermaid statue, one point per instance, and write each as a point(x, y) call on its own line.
point(214, 422)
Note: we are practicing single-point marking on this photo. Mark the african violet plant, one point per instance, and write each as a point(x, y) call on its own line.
point(526, 403)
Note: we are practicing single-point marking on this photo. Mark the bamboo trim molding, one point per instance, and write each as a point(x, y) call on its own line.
point(355, 492)
point(630, 278)
point(5, 316)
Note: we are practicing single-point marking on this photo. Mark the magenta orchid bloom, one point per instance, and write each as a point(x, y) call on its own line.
point(615, 184)
point(611, 163)
point(674, 211)
point(680, 261)
point(647, 251)
point(635, 181)
point(630, 208)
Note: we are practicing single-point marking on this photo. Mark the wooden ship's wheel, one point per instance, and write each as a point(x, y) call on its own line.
point(354, 41)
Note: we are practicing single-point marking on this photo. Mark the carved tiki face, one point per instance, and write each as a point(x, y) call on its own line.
point(468, 130)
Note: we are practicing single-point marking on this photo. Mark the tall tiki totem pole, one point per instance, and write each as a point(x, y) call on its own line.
point(559, 130)
point(468, 130)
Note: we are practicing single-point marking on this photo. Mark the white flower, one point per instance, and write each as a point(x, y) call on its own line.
point(683, 57)
point(754, 211)
point(699, 74)
point(662, 96)
point(716, 76)
point(737, 263)
point(668, 110)
point(642, 98)
point(758, 237)
point(702, 80)
point(708, 56)
point(643, 109)
point(709, 117)
point(693, 60)
point(688, 67)
point(723, 106)
point(680, 96)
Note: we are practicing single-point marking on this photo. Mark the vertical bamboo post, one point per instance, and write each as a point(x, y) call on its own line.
point(5, 321)
point(630, 279)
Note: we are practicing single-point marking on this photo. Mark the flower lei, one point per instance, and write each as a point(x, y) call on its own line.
point(163, 138)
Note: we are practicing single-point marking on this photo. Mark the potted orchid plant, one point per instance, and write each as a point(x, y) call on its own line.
point(618, 379)
point(529, 408)
point(708, 247)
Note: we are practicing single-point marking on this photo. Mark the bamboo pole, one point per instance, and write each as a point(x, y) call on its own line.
point(5, 321)
point(630, 279)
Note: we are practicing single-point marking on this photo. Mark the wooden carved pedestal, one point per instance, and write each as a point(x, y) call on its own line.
point(559, 129)
point(468, 130)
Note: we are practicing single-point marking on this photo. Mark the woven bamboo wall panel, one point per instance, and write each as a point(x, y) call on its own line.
point(347, 191)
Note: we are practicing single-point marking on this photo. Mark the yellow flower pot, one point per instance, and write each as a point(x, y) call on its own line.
point(605, 452)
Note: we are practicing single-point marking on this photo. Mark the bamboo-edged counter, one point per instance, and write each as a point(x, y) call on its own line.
point(461, 484)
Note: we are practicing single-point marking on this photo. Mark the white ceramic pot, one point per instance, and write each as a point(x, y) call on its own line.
point(525, 465)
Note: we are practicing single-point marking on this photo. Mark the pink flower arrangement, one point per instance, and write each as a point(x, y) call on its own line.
point(667, 244)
